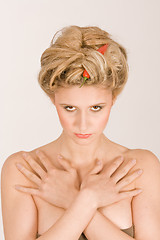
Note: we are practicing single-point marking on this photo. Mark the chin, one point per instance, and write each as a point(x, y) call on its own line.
point(82, 143)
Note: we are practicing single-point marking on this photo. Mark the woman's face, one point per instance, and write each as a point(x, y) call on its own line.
point(83, 111)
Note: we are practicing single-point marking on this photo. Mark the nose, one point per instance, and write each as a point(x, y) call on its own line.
point(82, 122)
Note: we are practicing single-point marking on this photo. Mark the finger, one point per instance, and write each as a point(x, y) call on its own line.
point(97, 168)
point(127, 180)
point(128, 194)
point(32, 191)
point(44, 160)
point(67, 166)
point(120, 173)
point(109, 170)
point(34, 165)
point(31, 176)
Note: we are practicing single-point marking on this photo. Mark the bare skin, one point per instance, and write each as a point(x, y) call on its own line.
point(119, 212)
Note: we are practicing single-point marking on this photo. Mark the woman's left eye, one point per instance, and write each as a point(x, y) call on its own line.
point(96, 108)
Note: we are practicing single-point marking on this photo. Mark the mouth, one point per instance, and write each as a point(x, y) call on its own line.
point(83, 135)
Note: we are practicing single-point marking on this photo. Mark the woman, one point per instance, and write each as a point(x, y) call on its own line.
point(82, 185)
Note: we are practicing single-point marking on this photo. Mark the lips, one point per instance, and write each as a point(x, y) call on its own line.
point(83, 135)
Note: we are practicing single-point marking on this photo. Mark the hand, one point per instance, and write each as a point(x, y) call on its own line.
point(55, 186)
point(106, 184)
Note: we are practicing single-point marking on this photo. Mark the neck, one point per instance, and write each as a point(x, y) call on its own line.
point(81, 155)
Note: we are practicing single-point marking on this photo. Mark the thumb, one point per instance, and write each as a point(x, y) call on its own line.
point(97, 168)
point(65, 164)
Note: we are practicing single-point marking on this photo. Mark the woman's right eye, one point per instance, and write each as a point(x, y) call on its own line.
point(69, 108)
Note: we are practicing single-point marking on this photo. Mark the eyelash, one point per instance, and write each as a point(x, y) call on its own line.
point(100, 107)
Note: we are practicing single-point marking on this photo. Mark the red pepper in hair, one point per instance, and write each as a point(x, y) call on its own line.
point(85, 76)
point(103, 49)
point(85, 73)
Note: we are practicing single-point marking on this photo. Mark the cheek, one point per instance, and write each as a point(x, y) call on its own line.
point(101, 122)
point(64, 120)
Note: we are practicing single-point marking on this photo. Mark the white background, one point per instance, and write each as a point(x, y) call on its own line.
point(28, 119)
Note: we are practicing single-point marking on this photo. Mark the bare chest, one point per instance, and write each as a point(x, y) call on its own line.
point(119, 213)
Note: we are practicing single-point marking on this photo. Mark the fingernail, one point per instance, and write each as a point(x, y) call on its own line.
point(59, 156)
point(133, 161)
point(37, 151)
point(121, 158)
point(17, 186)
point(139, 190)
point(18, 165)
point(99, 162)
point(140, 171)
point(24, 155)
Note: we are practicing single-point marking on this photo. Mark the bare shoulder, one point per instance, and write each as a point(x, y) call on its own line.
point(9, 163)
point(140, 154)
point(11, 159)
point(149, 163)
point(145, 158)
point(10, 171)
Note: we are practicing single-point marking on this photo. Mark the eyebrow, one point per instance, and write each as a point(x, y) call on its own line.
point(65, 104)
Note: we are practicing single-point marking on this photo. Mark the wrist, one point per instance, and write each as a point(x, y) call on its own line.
point(72, 196)
point(89, 196)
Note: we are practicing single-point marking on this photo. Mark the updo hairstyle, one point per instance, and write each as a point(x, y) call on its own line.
point(74, 49)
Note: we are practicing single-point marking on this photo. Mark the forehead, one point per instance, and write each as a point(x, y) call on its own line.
point(85, 94)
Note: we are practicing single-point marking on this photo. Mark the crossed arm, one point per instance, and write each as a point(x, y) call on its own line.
point(145, 206)
point(83, 215)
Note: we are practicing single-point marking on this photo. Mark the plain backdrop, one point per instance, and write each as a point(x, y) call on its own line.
point(28, 119)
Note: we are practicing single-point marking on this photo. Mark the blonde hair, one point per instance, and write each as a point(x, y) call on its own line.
point(74, 49)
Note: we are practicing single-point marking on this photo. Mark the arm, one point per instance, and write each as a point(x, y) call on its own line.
point(18, 210)
point(20, 213)
point(145, 207)
point(92, 181)
point(100, 227)
point(75, 219)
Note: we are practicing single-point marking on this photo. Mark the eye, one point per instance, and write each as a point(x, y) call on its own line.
point(69, 108)
point(96, 108)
